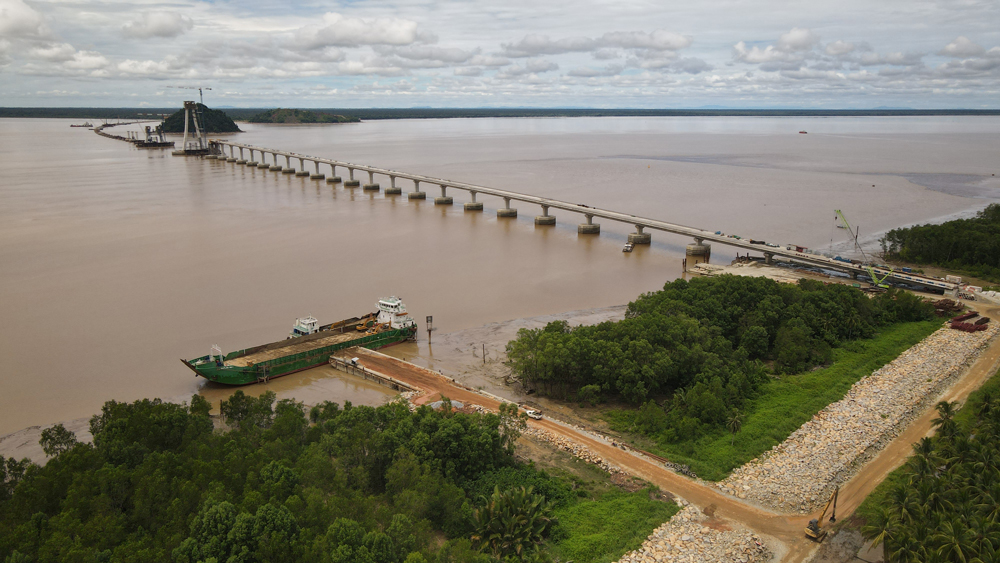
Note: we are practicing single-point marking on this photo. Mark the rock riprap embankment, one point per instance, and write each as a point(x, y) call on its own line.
point(579, 451)
point(687, 538)
point(800, 473)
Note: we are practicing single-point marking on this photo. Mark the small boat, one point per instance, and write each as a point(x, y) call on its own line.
point(803, 132)
point(628, 247)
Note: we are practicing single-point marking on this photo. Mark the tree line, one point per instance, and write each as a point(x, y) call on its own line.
point(970, 245)
point(345, 484)
point(703, 347)
point(945, 505)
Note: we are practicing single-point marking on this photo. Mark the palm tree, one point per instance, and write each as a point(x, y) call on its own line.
point(955, 541)
point(881, 529)
point(511, 523)
point(734, 424)
point(945, 421)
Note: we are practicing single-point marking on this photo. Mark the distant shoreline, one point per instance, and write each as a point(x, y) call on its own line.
point(242, 114)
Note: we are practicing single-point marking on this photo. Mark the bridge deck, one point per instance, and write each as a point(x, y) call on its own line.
point(640, 222)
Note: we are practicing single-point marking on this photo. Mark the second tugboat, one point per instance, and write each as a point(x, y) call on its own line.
point(309, 345)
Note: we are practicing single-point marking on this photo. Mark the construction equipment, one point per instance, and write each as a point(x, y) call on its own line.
point(867, 265)
point(815, 530)
point(876, 281)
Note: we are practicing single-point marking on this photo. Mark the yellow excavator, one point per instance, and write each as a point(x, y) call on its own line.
point(368, 321)
point(815, 530)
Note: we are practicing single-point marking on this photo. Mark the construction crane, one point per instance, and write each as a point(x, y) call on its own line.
point(201, 97)
point(867, 265)
point(815, 530)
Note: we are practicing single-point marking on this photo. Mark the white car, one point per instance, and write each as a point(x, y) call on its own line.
point(533, 414)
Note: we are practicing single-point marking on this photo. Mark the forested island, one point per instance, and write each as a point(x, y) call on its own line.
point(965, 245)
point(701, 358)
point(350, 484)
point(213, 120)
point(299, 116)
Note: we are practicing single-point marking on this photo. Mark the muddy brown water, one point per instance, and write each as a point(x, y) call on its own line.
point(115, 262)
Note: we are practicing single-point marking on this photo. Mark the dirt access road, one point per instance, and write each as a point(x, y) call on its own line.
point(784, 531)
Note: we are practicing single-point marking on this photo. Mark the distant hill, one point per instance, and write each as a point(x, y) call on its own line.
point(215, 121)
point(298, 116)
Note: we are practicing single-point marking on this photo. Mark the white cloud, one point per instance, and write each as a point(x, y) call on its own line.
point(339, 30)
point(962, 47)
point(489, 61)
point(838, 48)
point(17, 19)
point(798, 39)
point(54, 52)
point(434, 53)
point(588, 72)
point(535, 44)
point(897, 59)
point(756, 55)
point(157, 24)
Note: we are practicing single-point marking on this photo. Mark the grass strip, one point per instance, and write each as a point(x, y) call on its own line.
point(602, 530)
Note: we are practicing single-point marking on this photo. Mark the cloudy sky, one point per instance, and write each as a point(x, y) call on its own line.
point(487, 53)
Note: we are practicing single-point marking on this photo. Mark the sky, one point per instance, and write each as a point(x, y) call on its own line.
point(847, 54)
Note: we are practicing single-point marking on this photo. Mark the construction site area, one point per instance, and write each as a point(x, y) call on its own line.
point(776, 507)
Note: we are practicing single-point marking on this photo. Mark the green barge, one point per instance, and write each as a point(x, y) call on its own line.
point(308, 345)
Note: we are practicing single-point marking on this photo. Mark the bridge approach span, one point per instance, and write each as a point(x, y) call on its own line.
point(700, 236)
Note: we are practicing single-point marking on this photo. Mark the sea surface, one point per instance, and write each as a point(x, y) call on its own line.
point(115, 262)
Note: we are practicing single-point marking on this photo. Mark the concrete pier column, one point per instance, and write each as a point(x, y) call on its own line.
point(302, 168)
point(289, 169)
point(232, 153)
point(317, 175)
point(588, 228)
point(445, 199)
point(698, 252)
point(333, 179)
point(241, 160)
point(473, 205)
point(371, 186)
point(545, 218)
point(639, 237)
point(416, 193)
point(392, 189)
point(507, 210)
point(351, 183)
point(275, 167)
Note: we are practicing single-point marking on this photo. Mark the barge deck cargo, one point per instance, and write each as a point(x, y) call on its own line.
point(309, 345)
